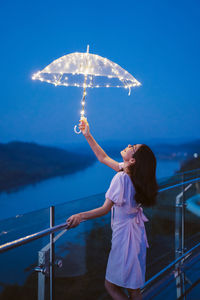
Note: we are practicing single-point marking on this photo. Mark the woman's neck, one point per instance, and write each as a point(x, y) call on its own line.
point(125, 167)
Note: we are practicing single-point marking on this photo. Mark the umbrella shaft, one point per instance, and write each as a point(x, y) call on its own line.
point(83, 103)
point(83, 99)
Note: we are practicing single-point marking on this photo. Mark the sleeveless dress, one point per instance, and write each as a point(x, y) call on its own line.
point(127, 259)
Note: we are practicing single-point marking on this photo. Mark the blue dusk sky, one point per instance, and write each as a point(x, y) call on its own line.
point(158, 42)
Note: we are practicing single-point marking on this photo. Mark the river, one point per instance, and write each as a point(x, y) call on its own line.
point(92, 180)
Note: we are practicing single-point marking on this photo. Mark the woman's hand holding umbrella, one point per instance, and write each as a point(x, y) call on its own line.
point(84, 127)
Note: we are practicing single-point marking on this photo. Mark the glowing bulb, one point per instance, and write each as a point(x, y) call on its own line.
point(82, 112)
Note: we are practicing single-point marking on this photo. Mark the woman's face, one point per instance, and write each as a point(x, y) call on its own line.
point(128, 152)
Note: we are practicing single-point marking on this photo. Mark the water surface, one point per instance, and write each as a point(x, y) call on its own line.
point(92, 180)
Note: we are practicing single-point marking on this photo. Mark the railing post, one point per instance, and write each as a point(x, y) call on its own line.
point(178, 244)
point(42, 259)
point(52, 255)
point(180, 239)
point(183, 217)
point(183, 233)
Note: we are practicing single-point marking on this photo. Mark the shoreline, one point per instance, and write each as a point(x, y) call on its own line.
point(24, 164)
point(14, 187)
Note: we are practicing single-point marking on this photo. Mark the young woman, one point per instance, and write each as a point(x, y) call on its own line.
point(133, 185)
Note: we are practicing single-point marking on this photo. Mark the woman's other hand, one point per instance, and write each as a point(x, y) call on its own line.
point(73, 221)
point(84, 127)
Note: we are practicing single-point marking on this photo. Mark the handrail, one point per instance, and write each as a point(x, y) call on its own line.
point(179, 184)
point(24, 240)
point(187, 172)
point(170, 265)
point(31, 237)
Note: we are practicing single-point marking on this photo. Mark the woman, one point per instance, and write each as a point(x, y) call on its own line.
point(134, 185)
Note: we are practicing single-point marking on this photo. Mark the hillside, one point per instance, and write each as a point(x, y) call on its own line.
point(25, 163)
point(170, 151)
point(191, 164)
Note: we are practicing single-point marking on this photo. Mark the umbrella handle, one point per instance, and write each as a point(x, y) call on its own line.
point(75, 130)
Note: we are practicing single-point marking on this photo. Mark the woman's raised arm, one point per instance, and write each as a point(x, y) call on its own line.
point(98, 151)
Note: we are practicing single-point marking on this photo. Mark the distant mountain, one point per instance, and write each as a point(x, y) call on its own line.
point(162, 150)
point(191, 164)
point(25, 163)
point(180, 149)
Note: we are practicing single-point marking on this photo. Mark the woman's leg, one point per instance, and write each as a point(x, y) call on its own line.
point(115, 291)
point(135, 294)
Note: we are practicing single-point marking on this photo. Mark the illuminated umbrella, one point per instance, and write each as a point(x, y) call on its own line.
point(86, 70)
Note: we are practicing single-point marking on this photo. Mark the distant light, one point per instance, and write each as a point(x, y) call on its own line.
point(195, 155)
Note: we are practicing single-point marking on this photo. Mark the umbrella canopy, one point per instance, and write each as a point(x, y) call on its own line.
point(86, 70)
point(72, 69)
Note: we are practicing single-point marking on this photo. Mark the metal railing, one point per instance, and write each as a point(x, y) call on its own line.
point(175, 273)
point(181, 255)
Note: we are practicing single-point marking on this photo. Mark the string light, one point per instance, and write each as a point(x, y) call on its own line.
point(87, 64)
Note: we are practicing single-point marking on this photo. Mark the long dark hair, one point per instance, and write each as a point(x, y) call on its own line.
point(143, 176)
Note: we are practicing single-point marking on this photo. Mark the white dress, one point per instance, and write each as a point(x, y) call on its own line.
point(127, 259)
